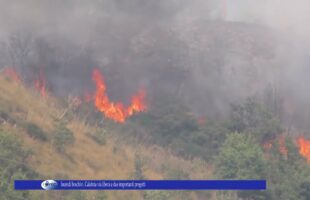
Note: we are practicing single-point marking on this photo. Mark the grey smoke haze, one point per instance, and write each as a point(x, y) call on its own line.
point(182, 48)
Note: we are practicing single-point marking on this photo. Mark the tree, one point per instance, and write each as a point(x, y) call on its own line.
point(288, 176)
point(241, 158)
point(251, 117)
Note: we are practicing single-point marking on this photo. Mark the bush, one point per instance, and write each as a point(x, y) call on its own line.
point(170, 124)
point(35, 131)
point(13, 166)
point(253, 118)
point(99, 136)
point(139, 167)
point(241, 158)
point(5, 116)
point(63, 136)
point(288, 176)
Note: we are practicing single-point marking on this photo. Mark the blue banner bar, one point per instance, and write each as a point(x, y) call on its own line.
point(140, 184)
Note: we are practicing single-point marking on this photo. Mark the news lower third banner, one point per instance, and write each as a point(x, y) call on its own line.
point(140, 184)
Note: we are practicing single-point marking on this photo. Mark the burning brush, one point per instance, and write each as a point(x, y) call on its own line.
point(116, 110)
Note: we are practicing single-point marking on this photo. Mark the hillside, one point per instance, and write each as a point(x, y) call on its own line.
point(84, 158)
point(144, 89)
point(43, 137)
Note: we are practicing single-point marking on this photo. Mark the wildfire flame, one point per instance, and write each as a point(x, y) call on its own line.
point(115, 110)
point(302, 143)
point(304, 147)
point(281, 145)
point(40, 84)
point(12, 74)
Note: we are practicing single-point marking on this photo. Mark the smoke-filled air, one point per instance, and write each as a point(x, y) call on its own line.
point(168, 89)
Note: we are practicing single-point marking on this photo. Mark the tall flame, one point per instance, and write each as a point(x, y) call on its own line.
point(115, 110)
point(304, 147)
point(40, 84)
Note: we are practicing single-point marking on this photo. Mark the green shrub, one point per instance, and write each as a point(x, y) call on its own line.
point(35, 131)
point(5, 116)
point(13, 166)
point(241, 158)
point(99, 136)
point(62, 137)
point(139, 167)
point(253, 118)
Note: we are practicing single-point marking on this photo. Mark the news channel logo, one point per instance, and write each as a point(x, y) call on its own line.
point(49, 185)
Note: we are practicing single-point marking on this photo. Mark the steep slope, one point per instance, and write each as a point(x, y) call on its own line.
point(22, 109)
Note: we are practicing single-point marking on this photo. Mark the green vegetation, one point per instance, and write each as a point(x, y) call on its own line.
point(62, 137)
point(231, 148)
point(99, 136)
point(234, 145)
point(253, 118)
point(288, 176)
point(12, 167)
point(176, 174)
point(35, 131)
point(242, 157)
point(172, 125)
point(139, 168)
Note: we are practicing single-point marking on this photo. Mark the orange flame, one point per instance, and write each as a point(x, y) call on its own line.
point(137, 103)
point(116, 110)
point(12, 74)
point(40, 84)
point(281, 142)
point(304, 147)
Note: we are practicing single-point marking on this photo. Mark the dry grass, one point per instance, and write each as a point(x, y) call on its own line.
point(85, 159)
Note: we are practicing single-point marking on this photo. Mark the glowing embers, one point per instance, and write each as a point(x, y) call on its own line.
point(116, 110)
